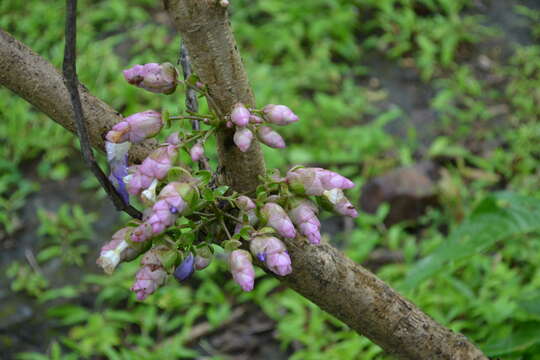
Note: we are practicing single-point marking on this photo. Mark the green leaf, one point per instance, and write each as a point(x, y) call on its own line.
point(531, 305)
point(524, 337)
point(221, 190)
point(496, 218)
point(231, 245)
point(49, 253)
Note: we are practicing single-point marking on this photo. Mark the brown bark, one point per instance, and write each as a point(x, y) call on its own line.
point(205, 30)
point(37, 81)
point(320, 273)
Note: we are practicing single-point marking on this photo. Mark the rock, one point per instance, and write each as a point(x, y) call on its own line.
point(408, 191)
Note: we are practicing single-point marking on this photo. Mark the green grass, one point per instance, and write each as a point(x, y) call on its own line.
point(309, 55)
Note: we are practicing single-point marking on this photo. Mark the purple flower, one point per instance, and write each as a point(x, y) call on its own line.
point(185, 269)
point(117, 156)
point(277, 218)
point(340, 203)
point(242, 269)
point(136, 128)
point(240, 115)
point(273, 253)
point(242, 138)
point(279, 114)
point(270, 137)
point(197, 152)
point(304, 215)
point(157, 78)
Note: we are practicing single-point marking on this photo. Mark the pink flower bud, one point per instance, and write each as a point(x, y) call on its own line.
point(270, 137)
point(147, 280)
point(304, 216)
point(142, 232)
point(118, 133)
point(277, 218)
point(305, 181)
point(163, 216)
point(242, 269)
point(136, 128)
point(201, 262)
point(242, 139)
point(273, 253)
point(279, 114)
point(197, 152)
point(340, 203)
point(117, 250)
point(254, 119)
point(332, 180)
point(157, 78)
point(173, 193)
point(245, 203)
point(143, 125)
point(314, 181)
point(174, 138)
point(159, 162)
point(137, 181)
point(240, 115)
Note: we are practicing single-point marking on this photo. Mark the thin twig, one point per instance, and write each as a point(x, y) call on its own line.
point(192, 105)
point(32, 261)
point(225, 228)
point(72, 83)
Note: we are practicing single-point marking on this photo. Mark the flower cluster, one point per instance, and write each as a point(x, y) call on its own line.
point(290, 214)
point(187, 217)
point(247, 122)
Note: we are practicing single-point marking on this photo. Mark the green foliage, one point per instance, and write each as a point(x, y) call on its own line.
point(26, 279)
point(480, 278)
point(429, 31)
point(497, 218)
point(65, 232)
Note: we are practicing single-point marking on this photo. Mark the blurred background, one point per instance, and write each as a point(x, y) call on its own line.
point(432, 107)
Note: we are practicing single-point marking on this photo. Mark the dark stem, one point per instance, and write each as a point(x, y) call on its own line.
point(192, 104)
point(72, 84)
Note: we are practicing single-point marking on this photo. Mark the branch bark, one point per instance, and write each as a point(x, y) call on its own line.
point(37, 81)
point(205, 30)
point(320, 273)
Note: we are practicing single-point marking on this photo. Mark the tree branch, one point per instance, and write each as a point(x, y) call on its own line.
point(37, 81)
point(212, 49)
point(320, 273)
point(70, 74)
